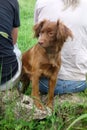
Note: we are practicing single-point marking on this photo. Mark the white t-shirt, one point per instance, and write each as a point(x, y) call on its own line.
point(74, 52)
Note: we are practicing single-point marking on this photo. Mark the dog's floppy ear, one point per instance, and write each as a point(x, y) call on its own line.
point(63, 32)
point(37, 27)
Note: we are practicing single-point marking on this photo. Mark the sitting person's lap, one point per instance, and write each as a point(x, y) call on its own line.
point(63, 86)
point(15, 79)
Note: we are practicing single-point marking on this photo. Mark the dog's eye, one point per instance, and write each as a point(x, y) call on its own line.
point(41, 32)
point(50, 33)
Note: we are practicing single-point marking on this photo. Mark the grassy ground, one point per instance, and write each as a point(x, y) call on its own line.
point(25, 39)
point(65, 114)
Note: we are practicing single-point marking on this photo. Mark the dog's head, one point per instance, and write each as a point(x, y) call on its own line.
point(49, 33)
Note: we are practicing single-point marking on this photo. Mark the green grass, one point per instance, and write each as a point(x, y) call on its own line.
point(25, 39)
point(64, 116)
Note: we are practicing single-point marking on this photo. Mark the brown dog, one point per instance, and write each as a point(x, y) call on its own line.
point(44, 59)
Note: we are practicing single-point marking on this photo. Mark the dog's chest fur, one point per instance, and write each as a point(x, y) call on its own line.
point(51, 65)
point(47, 69)
point(45, 64)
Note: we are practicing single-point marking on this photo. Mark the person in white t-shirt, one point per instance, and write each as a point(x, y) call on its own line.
point(72, 75)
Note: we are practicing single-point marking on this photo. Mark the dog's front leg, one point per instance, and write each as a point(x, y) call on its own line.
point(35, 92)
point(52, 83)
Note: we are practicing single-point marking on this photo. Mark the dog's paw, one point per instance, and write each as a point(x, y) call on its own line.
point(49, 105)
point(39, 105)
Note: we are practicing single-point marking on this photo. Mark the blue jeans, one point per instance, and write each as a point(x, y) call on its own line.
point(63, 86)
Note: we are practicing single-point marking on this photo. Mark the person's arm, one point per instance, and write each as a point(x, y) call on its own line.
point(16, 23)
point(15, 35)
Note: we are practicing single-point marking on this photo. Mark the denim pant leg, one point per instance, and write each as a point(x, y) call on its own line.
point(63, 86)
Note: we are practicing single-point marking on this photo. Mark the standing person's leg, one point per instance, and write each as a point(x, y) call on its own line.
point(63, 86)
